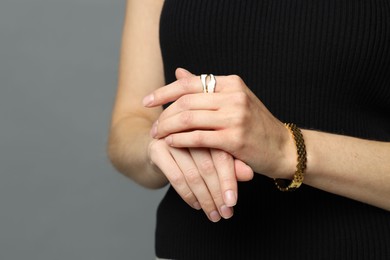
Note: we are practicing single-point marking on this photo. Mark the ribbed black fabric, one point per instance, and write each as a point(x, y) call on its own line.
point(322, 64)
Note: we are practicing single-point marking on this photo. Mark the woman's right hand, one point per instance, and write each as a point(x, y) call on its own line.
point(204, 178)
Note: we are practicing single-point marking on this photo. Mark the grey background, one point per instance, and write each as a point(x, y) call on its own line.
point(59, 196)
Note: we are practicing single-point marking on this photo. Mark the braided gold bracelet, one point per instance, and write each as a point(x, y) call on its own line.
point(301, 165)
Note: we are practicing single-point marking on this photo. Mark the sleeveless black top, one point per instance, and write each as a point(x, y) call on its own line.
point(322, 64)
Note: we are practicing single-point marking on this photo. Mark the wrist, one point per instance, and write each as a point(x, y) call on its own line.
point(288, 159)
point(301, 159)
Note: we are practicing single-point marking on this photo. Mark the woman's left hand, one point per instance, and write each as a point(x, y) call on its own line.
point(232, 119)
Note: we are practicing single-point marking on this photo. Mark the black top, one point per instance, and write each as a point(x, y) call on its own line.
point(322, 64)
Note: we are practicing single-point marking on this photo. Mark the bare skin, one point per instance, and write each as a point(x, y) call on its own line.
point(192, 147)
point(233, 117)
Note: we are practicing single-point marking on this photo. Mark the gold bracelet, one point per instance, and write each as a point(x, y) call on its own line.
point(301, 165)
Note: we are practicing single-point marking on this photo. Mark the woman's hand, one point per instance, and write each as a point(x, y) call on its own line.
point(204, 178)
point(232, 119)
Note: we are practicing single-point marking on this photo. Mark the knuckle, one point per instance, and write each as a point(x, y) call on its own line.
point(237, 80)
point(222, 156)
point(239, 120)
point(184, 102)
point(198, 139)
point(192, 176)
point(176, 179)
point(227, 180)
point(240, 98)
point(185, 83)
point(188, 196)
point(207, 167)
point(242, 113)
point(186, 118)
point(234, 78)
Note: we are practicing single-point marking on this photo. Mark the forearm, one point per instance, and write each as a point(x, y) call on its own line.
point(140, 71)
point(351, 167)
point(128, 152)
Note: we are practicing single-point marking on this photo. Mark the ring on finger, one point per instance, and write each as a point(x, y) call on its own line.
point(203, 80)
point(208, 83)
point(211, 84)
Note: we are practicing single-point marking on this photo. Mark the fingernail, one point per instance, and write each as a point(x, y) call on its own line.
point(168, 140)
point(197, 206)
point(226, 212)
point(230, 198)
point(214, 216)
point(148, 100)
point(153, 131)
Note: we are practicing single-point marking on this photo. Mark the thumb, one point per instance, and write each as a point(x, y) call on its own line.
point(182, 73)
point(243, 171)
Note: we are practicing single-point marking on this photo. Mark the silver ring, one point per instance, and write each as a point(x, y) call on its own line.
point(208, 83)
point(211, 84)
point(203, 80)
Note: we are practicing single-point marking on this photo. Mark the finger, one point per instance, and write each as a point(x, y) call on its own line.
point(173, 91)
point(202, 139)
point(165, 162)
point(181, 87)
point(224, 163)
point(188, 120)
point(204, 161)
point(243, 171)
point(196, 183)
point(195, 102)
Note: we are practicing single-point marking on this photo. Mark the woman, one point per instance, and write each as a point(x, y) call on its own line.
point(322, 65)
